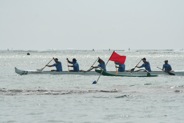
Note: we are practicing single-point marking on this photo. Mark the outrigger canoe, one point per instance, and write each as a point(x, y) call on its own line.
point(126, 74)
point(97, 72)
point(25, 72)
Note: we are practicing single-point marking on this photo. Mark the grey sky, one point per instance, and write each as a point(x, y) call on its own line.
point(88, 24)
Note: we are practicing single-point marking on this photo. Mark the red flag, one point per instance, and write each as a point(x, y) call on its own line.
point(117, 58)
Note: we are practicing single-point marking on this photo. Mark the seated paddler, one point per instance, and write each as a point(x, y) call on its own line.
point(121, 67)
point(57, 64)
point(146, 65)
point(101, 65)
point(166, 66)
point(74, 65)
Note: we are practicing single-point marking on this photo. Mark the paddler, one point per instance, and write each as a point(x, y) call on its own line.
point(57, 64)
point(145, 64)
point(75, 65)
point(121, 67)
point(100, 65)
point(166, 67)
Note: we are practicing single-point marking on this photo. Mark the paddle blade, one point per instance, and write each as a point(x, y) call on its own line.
point(40, 70)
point(94, 82)
point(132, 69)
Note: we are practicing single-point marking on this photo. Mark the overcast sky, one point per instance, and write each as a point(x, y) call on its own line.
point(91, 24)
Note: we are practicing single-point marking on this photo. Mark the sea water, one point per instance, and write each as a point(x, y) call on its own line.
point(74, 99)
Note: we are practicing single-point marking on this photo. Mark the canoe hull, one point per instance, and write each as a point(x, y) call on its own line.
point(126, 74)
point(137, 73)
point(25, 72)
point(109, 73)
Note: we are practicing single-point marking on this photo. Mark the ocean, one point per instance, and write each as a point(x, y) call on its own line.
point(74, 99)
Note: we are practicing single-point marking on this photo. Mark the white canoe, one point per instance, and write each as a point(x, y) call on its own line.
point(25, 72)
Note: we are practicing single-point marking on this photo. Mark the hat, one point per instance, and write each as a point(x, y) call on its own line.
point(143, 58)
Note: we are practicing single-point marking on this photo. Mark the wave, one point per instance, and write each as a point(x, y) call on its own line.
point(12, 92)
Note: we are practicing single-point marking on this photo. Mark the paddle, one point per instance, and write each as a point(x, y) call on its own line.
point(135, 66)
point(68, 65)
point(144, 70)
point(170, 73)
point(116, 68)
point(40, 70)
point(94, 82)
point(91, 66)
